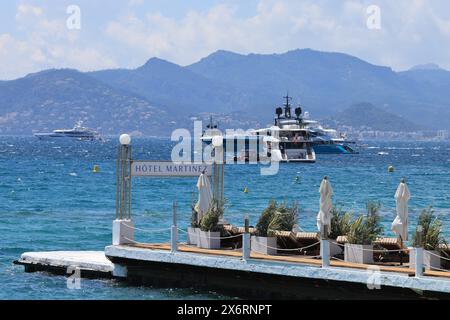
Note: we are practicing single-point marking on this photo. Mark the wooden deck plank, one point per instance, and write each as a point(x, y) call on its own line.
point(281, 258)
point(436, 273)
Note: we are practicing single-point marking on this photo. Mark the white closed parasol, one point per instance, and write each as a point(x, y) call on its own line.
point(324, 215)
point(400, 223)
point(204, 196)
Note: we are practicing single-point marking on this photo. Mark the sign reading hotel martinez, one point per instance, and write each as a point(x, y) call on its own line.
point(169, 169)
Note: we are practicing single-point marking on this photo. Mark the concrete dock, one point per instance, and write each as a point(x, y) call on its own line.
point(90, 263)
point(263, 276)
point(225, 271)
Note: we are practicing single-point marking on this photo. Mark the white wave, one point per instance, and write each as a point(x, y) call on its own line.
point(404, 148)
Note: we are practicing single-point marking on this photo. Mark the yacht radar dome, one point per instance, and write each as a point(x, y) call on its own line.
point(298, 112)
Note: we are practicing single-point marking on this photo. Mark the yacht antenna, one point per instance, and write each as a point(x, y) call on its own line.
point(287, 106)
point(210, 125)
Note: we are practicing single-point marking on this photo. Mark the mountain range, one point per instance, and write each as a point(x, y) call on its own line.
point(365, 116)
point(241, 91)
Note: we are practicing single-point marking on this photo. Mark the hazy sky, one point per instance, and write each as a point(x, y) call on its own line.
point(125, 33)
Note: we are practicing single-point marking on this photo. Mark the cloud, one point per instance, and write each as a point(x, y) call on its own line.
point(409, 29)
point(47, 44)
point(25, 11)
point(135, 2)
point(412, 32)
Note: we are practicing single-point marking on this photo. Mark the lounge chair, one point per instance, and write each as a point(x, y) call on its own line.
point(342, 240)
point(445, 248)
point(391, 245)
point(237, 230)
point(292, 240)
point(231, 231)
point(309, 239)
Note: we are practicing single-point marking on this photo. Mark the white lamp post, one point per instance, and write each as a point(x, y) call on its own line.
point(218, 184)
point(217, 141)
point(123, 228)
point(125, 139)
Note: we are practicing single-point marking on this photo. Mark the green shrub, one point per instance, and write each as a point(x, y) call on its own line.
point(373, 207)
point(266, 217)
point(211, 218)
point(284, 218)
point(340, 222)
point(194, 216)
point(373, 219)
point(432, 235)
point(366, 228)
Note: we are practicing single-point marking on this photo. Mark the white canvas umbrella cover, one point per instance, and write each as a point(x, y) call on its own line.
point(324, 215)
point(204, 196)
point(400, 223)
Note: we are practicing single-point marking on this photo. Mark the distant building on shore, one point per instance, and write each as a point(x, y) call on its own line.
point(442, 135)
point(366, 133)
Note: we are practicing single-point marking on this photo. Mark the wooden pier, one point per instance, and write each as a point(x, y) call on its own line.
point(279, 276)
point(291, 259)
point(261, 276)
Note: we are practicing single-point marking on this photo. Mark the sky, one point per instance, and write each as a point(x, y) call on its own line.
point(100, 34)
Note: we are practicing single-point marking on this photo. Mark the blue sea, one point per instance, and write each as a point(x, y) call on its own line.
point(51, 200)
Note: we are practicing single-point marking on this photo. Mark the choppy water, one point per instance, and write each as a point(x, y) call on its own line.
point(51, 200)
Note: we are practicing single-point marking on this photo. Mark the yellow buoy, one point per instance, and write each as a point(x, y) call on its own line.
point(391, 169)
point(96, 169)
point(245, 190)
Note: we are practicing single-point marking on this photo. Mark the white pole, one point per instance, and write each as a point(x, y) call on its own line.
point(246, 241)
point(419, 252)
point(419, 262)
point(325, 247)
point(174, 229)
point(245, 246)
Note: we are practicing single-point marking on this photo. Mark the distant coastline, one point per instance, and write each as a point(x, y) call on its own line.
point(163, 137)
point(239, 91)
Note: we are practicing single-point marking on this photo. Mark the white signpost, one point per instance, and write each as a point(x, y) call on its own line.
point(127, 169)
point(169, 169)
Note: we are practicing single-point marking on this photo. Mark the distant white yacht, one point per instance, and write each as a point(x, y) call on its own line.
point(78, 132)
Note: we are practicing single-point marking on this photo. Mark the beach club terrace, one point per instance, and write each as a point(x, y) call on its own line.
point(344, 259)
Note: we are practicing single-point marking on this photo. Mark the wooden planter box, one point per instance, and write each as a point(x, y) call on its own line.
point(192, 235)
point(429, 260)
point(208, 240)
point(261, 244)
point(358, 253)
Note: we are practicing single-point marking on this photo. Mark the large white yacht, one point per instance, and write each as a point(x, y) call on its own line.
point(295, 129)
point(78, 132)
point(285, 141)
point(291, 140)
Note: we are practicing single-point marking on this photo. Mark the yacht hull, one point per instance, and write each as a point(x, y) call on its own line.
point(333, 149)
point(298, 161)
point(44, 136)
